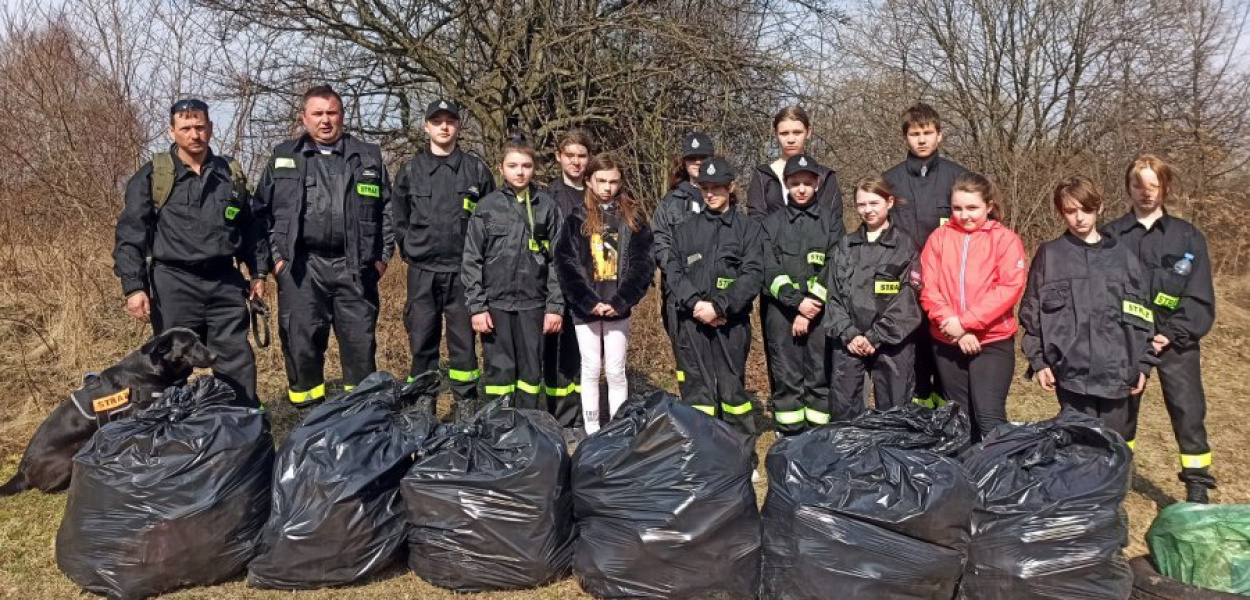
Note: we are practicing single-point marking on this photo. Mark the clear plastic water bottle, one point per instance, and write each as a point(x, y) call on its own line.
point(1184, 265)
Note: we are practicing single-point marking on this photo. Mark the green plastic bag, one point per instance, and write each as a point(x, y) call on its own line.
point(1205, 545)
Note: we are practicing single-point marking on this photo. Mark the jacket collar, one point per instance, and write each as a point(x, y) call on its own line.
point(888, 237)
point(1105, 241)
point(451, 160)
point(916, 165)
point(989, 225)
point(1129, 221)
point(810, 210)
point(306, 145)
point(724, 217)
point(180, 167)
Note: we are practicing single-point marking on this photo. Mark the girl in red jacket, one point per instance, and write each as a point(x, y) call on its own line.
point(974, 274)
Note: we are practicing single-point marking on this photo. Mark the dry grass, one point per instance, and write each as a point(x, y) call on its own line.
point(61, 315)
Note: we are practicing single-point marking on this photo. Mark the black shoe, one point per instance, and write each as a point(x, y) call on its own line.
point(1196, 493)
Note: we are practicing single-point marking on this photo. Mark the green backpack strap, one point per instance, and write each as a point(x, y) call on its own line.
point(162, 179)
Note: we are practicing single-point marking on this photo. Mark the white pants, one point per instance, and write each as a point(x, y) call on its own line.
point(603, 345)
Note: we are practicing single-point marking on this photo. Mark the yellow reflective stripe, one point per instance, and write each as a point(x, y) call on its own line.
point(816, 258)
point(411, 378)
point(818, 418)
point(703, 408)
point(462, 376)
point(470, 205)
point(535, 245)
point(739, 409)
point(1139, 311)
point(723, 283)
point(933, 401)
point(1132, 445)
point(348, 388)
point(316, 393)
point(681, 376)
point(817, 290)
point(1196, 461)
point(559, 392)
point(500, 390)
point(779, 282)
point(529, 388)
point(1167, 301)
point(886, 287)
point(789, 417)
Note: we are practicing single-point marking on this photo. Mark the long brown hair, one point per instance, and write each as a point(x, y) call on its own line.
point(1161, 168)
point(630, 211)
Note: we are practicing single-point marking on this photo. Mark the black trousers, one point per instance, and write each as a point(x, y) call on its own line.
point(892, 370)
point(928, 386)
point(513, 357)
point(798, 370)
point(1118, 414)
point(668, 317)
point(1180, 376)
point(978, 384)
point(316, 294)
point(715, 361)
point(433, 298)
point(212, 302)
point(562, 366)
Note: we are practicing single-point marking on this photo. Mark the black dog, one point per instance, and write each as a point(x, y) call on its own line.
point(131, 384)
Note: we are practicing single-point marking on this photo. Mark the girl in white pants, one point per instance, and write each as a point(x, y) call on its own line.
point(603, 258)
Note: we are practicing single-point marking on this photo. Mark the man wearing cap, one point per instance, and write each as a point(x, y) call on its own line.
point(682, 201)
point(326, 196)
point(187, 219)
point(798, 238)
point(435, 194)
point(715, 268)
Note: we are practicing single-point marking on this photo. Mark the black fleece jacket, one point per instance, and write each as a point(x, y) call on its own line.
point(635, 268)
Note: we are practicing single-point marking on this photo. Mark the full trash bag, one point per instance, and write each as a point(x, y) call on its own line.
point(1048, 524)
point(489, 504)
point(174, 497)
point(665, 507)
point(336, 515)
point(877, 507)
point(1205, 545)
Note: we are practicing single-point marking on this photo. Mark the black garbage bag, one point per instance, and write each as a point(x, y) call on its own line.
point(489, 503)
point(1048, 524)
point(665, 507)
point(337, 516)
point(877, 507)
point(174, 497)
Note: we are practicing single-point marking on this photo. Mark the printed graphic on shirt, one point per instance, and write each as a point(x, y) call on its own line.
point(603, 251)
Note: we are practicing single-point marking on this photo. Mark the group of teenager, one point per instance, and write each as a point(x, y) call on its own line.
point(920, 298)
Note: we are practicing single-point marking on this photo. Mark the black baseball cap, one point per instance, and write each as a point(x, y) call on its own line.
point(442, 105)
point(715, 170)
point(799, 164)
point(188, 105)
point(697, 144)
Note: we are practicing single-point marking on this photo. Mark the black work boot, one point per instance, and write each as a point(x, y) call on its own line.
point(1197, 484)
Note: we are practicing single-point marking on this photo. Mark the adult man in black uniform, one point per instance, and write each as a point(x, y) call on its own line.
point(1183, 301)
point(189, 211)
point(682, 201)
point(924, 181)
point(326, 196)
point(562, 360)
point(435, 194)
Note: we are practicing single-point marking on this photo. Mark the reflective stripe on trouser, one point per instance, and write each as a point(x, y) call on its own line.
point(1180, 377)
point(931, 401)
point(315, 294)
point(512, 356)
point(799, 369)
point(212, 302)
point(313, 395)
point(562, 364)
point(436, 301)
point(891, 370)
point(1118, 414)
point(715, 363)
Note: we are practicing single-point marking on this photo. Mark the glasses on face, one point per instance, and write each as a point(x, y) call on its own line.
point(188, 105)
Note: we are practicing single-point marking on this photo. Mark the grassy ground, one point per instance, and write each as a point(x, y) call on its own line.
point(28, 522)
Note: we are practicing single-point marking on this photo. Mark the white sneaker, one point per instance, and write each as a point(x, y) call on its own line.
point(755, 476)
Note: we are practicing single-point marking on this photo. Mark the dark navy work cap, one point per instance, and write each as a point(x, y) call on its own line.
point(442, 105)
point(800, 163)
point(697, 144)
point(715, 170)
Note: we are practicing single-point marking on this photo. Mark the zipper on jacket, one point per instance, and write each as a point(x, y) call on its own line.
point(963, 271)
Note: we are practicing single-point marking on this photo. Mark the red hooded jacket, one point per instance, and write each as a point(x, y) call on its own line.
point(978, 276)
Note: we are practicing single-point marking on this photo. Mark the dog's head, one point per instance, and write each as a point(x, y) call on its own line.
point(180, 350)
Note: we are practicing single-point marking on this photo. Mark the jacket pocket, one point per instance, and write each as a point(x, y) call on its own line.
point(1059, 326)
